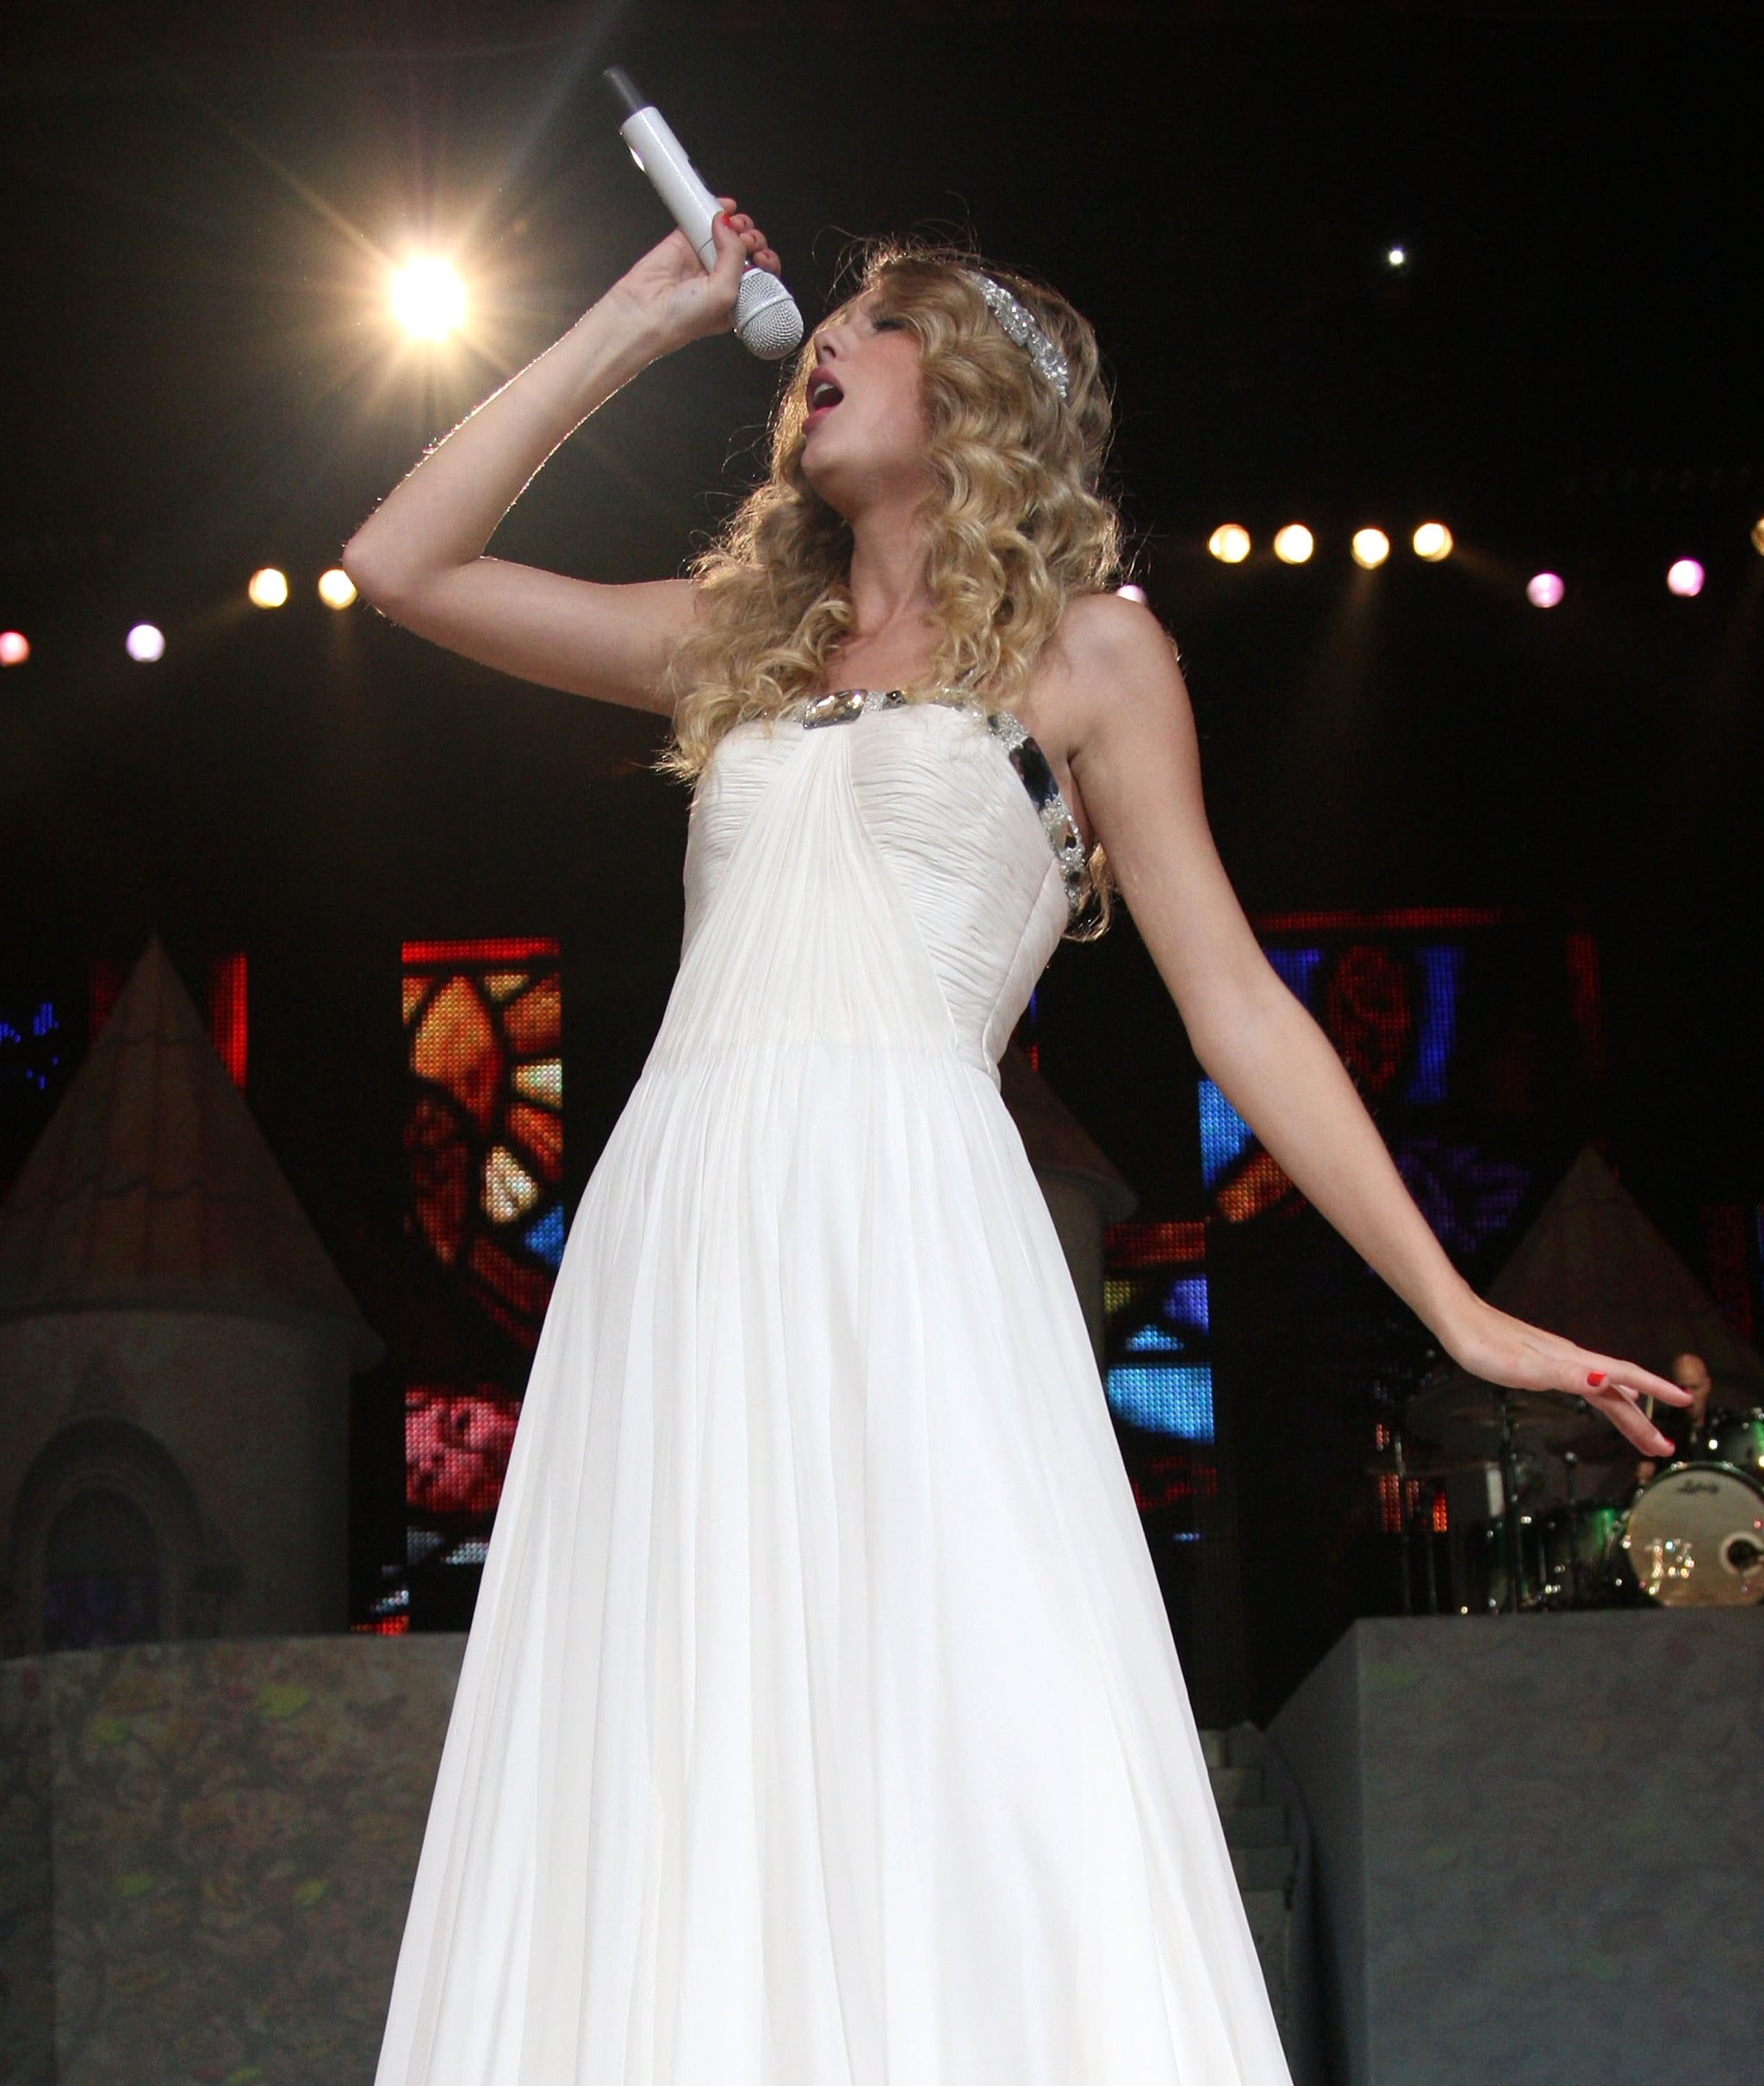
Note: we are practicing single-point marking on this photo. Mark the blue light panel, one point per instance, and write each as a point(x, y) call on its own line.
point(545, 1240)
point(1167, 1399)
point(1440, 965)
point(1224, 1135)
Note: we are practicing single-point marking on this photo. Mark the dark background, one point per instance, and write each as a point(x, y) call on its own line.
point(198, 376)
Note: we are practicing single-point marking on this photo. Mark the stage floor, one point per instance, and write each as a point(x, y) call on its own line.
point(1537, 1843)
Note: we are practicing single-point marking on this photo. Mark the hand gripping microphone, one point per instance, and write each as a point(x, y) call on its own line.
point(766, 316)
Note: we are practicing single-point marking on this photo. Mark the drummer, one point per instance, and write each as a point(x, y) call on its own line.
point(1686, 1424)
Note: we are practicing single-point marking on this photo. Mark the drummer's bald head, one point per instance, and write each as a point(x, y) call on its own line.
point(1690, 1372)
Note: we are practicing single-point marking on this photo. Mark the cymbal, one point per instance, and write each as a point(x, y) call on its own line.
point(1467, 1415)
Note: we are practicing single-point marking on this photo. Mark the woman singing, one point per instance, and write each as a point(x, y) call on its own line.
point(819, 1724)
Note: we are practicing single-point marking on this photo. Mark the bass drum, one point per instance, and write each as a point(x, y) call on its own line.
point(1695, 1537)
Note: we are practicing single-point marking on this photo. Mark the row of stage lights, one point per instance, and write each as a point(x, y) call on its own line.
point(145, 642)
point(1432, 542)
point(1230, 544)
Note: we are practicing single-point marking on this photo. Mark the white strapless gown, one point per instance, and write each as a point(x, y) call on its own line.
point(819, 1724)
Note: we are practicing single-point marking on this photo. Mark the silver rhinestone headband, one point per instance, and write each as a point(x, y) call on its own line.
point(1014, 318)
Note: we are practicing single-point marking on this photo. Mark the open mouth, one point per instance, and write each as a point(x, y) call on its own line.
point(823, 395)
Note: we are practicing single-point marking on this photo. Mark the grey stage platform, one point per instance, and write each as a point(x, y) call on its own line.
point(1539, 1847)
point(206, 1853)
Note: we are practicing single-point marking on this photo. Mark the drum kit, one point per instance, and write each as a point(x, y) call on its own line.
point(1537, 1534)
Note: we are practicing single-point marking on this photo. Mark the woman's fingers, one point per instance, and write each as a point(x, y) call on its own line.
point(1525, 1357)
point(1624, 1414)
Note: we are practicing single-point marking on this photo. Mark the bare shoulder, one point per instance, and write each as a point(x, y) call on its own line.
point(1120, 667)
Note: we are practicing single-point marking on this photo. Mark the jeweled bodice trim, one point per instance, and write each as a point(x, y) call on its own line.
point(844, 706)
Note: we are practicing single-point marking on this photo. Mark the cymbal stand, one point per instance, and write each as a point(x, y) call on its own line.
point(1516, 1589)
point(1570, 1463)
point(1428, 1547)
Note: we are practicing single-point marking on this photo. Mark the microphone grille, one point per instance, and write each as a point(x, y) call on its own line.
point(766, 316)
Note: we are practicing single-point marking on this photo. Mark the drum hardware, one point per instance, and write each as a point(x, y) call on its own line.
point(1417, 1473)
point(1509, 1488)
point(1692, 1536)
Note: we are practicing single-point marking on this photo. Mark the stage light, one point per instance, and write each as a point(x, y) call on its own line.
point(268, 588)
point(1758, 536)
point(1544, 589)
point(1293, 544)
point(1397, 257)
point(1371, 547)
point(1684, 579)
point(428, 299)
point(146, 643)
point(1130, 593)
point(1432, 542)
point(14, 648)
point(1229, 545)
point(336, 588)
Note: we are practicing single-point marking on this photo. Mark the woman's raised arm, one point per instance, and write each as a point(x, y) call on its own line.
point(418, 558)
point(1137, 766)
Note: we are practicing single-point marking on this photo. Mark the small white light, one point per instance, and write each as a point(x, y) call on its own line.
point(1397, 256)
point(1229, 543)
point(1293, 544)
point(336, 588)
point(1371, 547)
point(268, 588)
point(146, 643)
point(1544, 589)
point(1684, 579)
point(1130, 593)
point(1432, 542)
point(14, 648)
point(428, 299)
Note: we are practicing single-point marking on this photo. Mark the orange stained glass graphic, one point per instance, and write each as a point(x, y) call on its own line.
point(1130, 1244)
point(539, 1133)
point(514, 1292)
point(483, 1129)
point(456, 1047)
point(439, 1167)
point(534, 1020)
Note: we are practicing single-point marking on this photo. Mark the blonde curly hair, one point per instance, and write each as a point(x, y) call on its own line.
point(1017, 524)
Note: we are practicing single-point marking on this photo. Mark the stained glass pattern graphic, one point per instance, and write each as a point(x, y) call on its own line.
point(1428, 1009)
point(1159, 1378)
point(456, 1445)
point(483, 1131)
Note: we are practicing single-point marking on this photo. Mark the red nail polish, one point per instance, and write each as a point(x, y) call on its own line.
point(1595, 1378)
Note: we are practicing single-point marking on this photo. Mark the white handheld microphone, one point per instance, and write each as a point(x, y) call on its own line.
point(766, 317)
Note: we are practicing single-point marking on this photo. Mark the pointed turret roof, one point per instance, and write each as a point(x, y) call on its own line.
point(152, 1187)
point(1593, 1266)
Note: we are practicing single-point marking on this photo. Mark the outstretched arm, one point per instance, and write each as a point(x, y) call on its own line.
point(420, 556)
point(1137, 765)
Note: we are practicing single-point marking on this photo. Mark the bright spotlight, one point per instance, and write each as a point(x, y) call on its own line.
point(428, 299)
point(146, 643)
point(1432, 542)
point(1371, 547)
point(268, 588)
point(1397, 257)
point(1684, 579)
point(14, 648)
point(336, 588)
point(1293, 544)
point(1544, 589)
point(1130, 593)
point(1229, 545)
